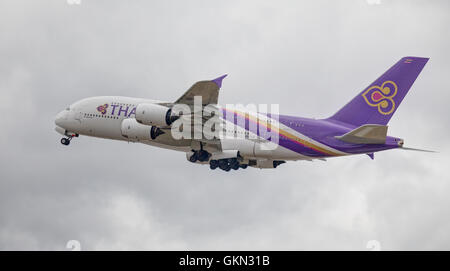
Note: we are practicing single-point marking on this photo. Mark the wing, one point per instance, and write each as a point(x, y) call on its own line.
point(209, 93)
point(207, 90)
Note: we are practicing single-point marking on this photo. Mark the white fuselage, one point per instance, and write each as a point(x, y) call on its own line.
point(85, 117)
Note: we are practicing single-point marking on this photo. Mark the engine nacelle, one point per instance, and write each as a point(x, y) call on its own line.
point(135, 131)
point(155, 115)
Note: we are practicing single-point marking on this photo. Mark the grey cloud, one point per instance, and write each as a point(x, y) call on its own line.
point(311, 57)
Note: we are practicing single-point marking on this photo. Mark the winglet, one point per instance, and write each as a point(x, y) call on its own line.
point(218, 80)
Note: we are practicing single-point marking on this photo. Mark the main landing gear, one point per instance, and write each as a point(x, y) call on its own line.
point(226, 164)
point(200, 155)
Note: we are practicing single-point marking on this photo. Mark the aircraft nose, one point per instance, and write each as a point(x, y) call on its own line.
point(60, 118)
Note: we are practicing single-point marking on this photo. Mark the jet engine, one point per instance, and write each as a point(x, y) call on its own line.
point(135, 131)
point(155, 115)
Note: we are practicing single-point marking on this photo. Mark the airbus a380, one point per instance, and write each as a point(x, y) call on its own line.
point(254, 139)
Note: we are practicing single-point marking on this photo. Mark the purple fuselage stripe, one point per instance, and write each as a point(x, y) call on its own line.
point(322, 131)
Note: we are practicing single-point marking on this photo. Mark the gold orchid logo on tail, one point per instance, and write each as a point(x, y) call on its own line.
point(382, 97)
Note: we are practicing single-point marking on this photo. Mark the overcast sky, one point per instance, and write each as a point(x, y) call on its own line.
point(310, 57)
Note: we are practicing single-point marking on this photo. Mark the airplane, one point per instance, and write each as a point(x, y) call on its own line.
point(360, 127)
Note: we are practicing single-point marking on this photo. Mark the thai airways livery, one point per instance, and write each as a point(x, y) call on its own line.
point(233, 138)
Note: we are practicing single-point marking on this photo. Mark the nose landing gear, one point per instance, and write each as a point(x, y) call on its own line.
point(66, 140)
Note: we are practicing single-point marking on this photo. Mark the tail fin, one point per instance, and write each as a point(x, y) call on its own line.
point(378, 102)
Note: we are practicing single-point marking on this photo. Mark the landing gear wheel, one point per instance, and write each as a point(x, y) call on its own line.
point(234, 163)
point(223, 164)
point(213, 164)
point(65, 141)
point(202, 155)
point(193, 158)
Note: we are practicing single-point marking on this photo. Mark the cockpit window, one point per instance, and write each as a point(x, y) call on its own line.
point(68, 108)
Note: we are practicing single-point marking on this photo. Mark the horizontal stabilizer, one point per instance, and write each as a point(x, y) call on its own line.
point(366, 134)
